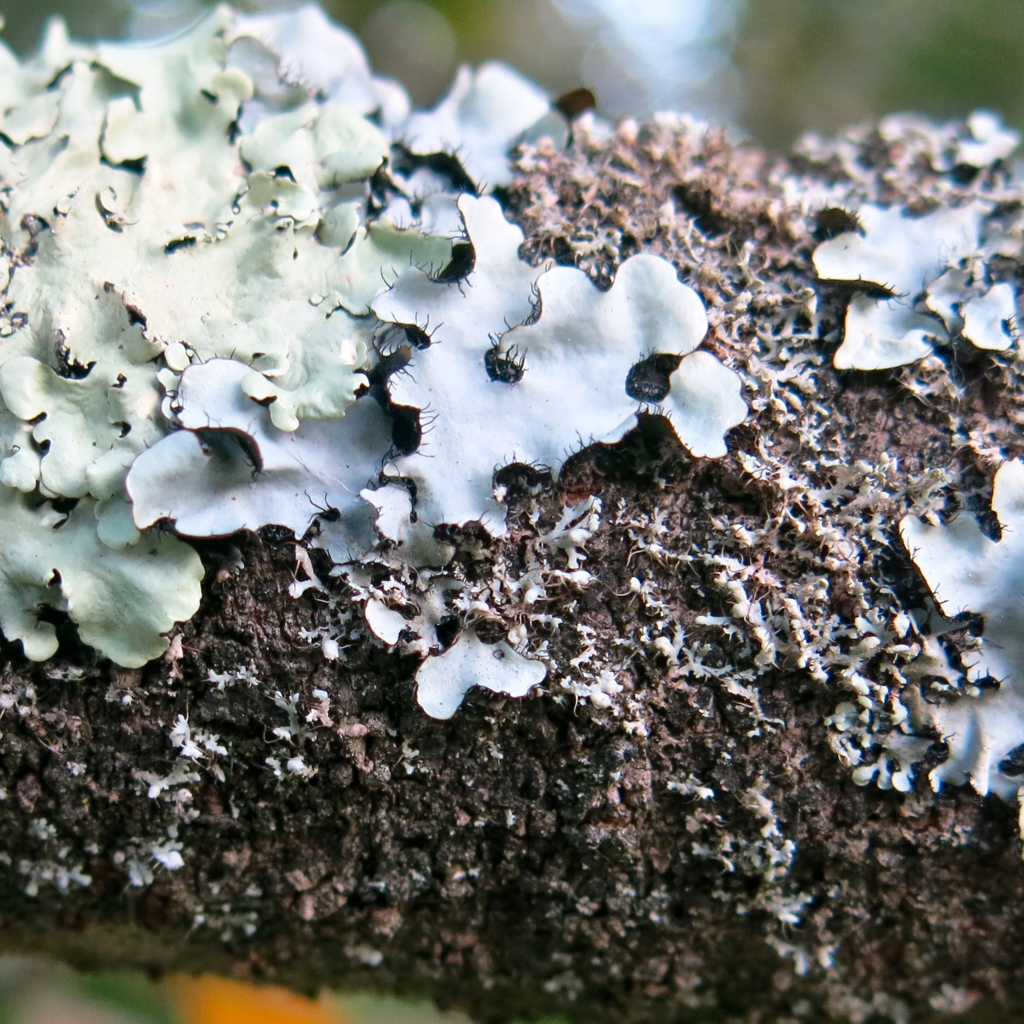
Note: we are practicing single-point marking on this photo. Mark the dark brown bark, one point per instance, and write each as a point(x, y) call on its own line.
point(538, 856)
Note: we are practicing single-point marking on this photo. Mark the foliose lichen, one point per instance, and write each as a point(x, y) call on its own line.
point(206, 240)
point(934, 279)
point(970, 573)
point(167, 205)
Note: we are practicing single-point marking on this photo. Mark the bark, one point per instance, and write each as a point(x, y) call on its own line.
point(546, 856)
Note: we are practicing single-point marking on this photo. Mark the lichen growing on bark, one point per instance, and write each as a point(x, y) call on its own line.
point(264, 363)
point(670, 824)
point(934, 276)
point(148, 225)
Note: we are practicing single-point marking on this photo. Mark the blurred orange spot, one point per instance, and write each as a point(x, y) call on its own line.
point(210, 1000)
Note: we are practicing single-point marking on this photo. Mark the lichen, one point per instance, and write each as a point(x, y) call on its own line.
point(583, 367)
point(122, 596)
point(726, 640)
point(366, 355)
point(196, 230)
point(929, 265)
point(164, 207)
point(442, 682)
point(968, 572)
point(484, 114)
point(230, 468)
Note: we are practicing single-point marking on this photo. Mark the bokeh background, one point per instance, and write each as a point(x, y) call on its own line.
point(36, 991)
point(772, 68)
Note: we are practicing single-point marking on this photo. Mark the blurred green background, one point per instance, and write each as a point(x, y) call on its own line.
point(775, 68)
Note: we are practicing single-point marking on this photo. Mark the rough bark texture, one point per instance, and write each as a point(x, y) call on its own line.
point(542, 856)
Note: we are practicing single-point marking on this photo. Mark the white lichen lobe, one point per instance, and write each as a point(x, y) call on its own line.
point(559, 377)
point(442, 682)
point(232, 469)
point(967, 571)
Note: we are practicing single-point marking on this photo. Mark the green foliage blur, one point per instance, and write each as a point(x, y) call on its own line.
point(799, 64)
point(816, 65)
point(38, 992)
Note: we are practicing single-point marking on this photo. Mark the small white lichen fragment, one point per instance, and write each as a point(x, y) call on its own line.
point(989, 140)
point(385, 623)
point(882, 334)
point(704, 401)
point(990, 320)
point(444, 680)
point(966, 571)
point(905, 751)
point(572, 531)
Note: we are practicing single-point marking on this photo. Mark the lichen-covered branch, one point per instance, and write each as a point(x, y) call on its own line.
point(609, 575)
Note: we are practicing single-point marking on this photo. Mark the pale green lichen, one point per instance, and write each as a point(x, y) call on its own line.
point(122, 600)
point(144, 230)
point(80, 424)
point(323, 146)
point(205, 480)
